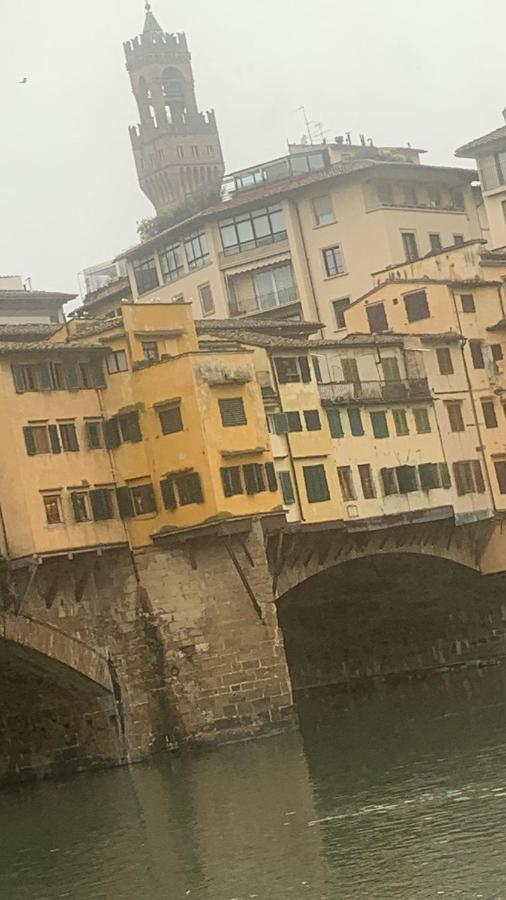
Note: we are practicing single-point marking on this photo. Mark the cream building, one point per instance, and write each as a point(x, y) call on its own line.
point(489, 151)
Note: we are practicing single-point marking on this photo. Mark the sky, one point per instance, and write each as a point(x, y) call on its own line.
point(431, 73)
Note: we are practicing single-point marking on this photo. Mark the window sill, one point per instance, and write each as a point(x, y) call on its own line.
point(325, 225)
point(333, 277)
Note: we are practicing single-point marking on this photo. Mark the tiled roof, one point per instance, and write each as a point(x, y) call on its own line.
point(397, 337)
point(250, 324)
point(36, 295)
point(7, 348)
point(97, 327)
point(27, 331)
point(481, 142)
point(270, 190)
point(120, 286)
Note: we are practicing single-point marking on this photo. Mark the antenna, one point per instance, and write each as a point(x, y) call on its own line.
point(307, 123)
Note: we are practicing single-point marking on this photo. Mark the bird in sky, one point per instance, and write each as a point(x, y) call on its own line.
point(23, 80)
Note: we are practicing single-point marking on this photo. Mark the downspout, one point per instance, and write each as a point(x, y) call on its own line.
point(473, 403)
point(290, 454)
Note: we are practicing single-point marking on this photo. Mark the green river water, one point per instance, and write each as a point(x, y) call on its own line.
point(397, 792)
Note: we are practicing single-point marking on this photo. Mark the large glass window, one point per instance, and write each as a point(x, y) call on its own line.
point(197, 251)
point(274, 287)
point(171, 262)
point(333, 260)
point(323, 210)
point(146, 276)
point(253, 229)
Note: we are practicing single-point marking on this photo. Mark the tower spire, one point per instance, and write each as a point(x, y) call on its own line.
point(151, 25)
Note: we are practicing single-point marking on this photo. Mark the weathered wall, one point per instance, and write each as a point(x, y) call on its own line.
point(391, 615)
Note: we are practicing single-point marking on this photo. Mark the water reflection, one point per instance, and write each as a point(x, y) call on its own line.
point(397, 793)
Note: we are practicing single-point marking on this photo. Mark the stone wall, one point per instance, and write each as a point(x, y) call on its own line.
point(391, 615)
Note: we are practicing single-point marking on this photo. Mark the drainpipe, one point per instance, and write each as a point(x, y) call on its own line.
point(290, 454)
point(308, 266)
point(473, 403)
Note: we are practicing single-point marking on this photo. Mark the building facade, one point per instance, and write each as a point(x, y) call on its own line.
point(489, 151)
point(176, 147)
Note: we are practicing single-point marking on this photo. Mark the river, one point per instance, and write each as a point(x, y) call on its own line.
point(396, 792)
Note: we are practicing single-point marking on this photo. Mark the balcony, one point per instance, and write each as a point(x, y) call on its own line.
point(249, 253)
point(336, 392)
point(263, 302)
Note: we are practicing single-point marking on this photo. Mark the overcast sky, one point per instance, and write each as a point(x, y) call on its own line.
point(430, 73)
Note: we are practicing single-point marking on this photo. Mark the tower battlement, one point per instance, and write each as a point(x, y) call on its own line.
point(155, 43)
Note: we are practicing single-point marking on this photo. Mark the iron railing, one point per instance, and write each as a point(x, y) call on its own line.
point(375, 391)
point(263, 302)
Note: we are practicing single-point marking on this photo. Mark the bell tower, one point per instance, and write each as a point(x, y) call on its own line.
point(177, 149)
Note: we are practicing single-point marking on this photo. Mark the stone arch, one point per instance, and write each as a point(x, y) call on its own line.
point(56, 645)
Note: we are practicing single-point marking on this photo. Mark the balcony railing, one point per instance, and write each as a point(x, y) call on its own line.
point(374, 391)
point(263, 302)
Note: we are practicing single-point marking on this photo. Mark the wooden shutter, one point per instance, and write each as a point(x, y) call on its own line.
point(478, 477)
point(232, 411)
point(130, 428)
point(18, 378)
point(54, 439)
point(444, 474)
point(168, 493)
point(72, 379)
point(312, 419)
point(355, 420)
point(196, 487)
point(97, 374)
point(101, 504)
point(294, 422)
point(335, 424)
point(459, 480)
point(125, 504)
point(428, 476)
point(379, 424)
point(271, 476)
point(73, 443)
point(279, 423)
point(111, 433)
point(305, 372)
point(44, 375)
point(285, 481)
point(253, 478)
point(29, 441)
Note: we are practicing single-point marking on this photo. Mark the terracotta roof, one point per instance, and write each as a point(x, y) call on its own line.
point(267, 325)
point(431, 253)
point(57, 296)
point(271, 190)
point(97, 327)
point(469, 149)
point(398, 337)
point(27, 331)
point(7, 348)
point(120, 286)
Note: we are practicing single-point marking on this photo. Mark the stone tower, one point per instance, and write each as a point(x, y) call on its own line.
point(176, 148)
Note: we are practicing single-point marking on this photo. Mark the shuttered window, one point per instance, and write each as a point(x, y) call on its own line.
point(335, 424)
point(400, 422)
point(367, 481)
point(476, 349)
point(130, 428)
point(189, 489)
point(168, 493)
point(345, 477)
point(389, 482)
point(500, 471)
point(36, 439)
point(80, 506)
point(422, 420)
point(143, 499)
point(117, 362)
point(355, 420)
point(417, 306)
point(292, 369)
point(489, 416)
point(94, 435)
point(468, 477)
point(406, 479)
point(429, 476)
point(171, 420)
point(377, 318)
point(285, 483)
point(68, 437)
point(101, 504)
point(232, 412)
point(124, 501)
point(379, 424)
point(444, 360)
point(253, 478)
point(312, 419)
point(231, 481)
point(317, 488)
point(111, 433)
point(455, 416)
point(270, 474)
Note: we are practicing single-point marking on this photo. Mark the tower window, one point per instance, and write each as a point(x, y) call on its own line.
point(146, 276)
point(197, 250)
point(210, 150)
point(171, 262)
point(180, 151)
point(195, 151)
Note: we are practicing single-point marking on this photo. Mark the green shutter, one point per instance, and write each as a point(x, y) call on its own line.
point(253, 478)
point(379, 424)
point(29, 441)
point(111, 433)
point(355, 420)
point(335, 424)
point(196, 487)
point(44, 374)
point(316, 484)
point(406, 479)
point(271, 476)
point(73, 443)
point(101, 506)
point(54, 439)
point(130, 428)
point(168, 493)
point(444, 474)
point(294, 422)
point(226, 480)
point(97, 374)
point(124, 500)
point(478, 477)
point(18, 378)
point(305, 372)
point(317, 369)
point(72, 379)
point(429, 476)
point(280, 423)
point(285, 482)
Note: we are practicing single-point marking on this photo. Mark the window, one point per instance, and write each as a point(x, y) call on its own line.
point(503, 205)
point(335, 424)
point(57, 376)
point(317, 369)
point(253, 229)
point(433, 475)
point(400, 422)
point(36, 439)
point(389, 482)
point(476, 349)
point(270, 474)
point(410, 195)
point(143, 499)
point(333, 260)
point(146, 276)
point(312, 419)
point(435, 243)
point(171, 419)
point(410, 245)
point(180, 151)
point(52, 505)
point(188, 487)
point(385, 192)
point(416, 306)
point(458, 239)
point(350, 370)
point(496, 350)
point(317, 488)
point(377, 318)
point(355, 420)
point(468, 477)
point(254, 478)
point(68, 437)
point(274, 287)
point(285, 483)
point(171, 263)
point(379, 424)
point(209, 149)
point(206, 299)
point(282, 423)
point(232, 412)
point(94, 435)
point(406, 479)
point(390, 366)
point(197, 251)
point(101, 504)
point(489, 416)
point(434, 197)
point(467, 303)
point(231, 480)
point(129, 427)
point(339, 307)
point(500, 471)
point(117, 362)
point(150, 350)
point(367, 481)
point(195, 151)
point(80, 505)
point(444, 360)
point(323, 211)
point(455, 416)
point(346, 482)
point(422, 420)
point(292, 369)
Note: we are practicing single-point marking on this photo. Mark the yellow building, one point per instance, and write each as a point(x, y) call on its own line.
point(123, 429)
point(300, 237)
